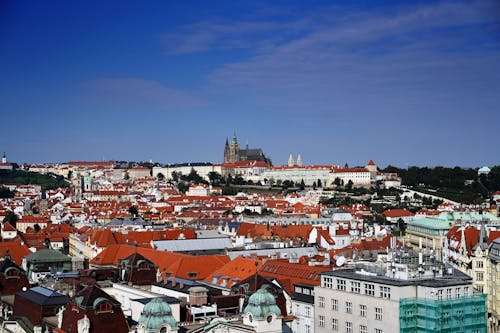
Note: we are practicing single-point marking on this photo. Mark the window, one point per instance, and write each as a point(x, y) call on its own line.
point(479, 264)
point(363, 329)
point(321, 301)
point(335, 324)
point(308, 311)
point(378, 313)
point(445, 318)
point(466, 291)
point(362, 310)
point(457, 292)
point(355, 287)
point(341, 284)
point(321, 321)
point(348, 327)
point(479, 276)
point(448, 293)
point(308, 328)
point(105, 307)
point(378, 330)
point(348, 307)
point(370, 289)
point(327, 282)
point(12, 273)
point(335, 305)
point(385, 292)
point(440, 294)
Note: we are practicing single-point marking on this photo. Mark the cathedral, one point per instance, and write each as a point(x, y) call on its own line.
point(233, 153)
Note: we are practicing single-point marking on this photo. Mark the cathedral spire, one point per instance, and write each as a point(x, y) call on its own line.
point(291, 163)
point(234, 141)
point(299, 160)
point(227, 141)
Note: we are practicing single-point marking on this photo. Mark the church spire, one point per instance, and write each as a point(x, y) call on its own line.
point(299, 160)
point(227, 141)
point(234, 141)
point(291, 163)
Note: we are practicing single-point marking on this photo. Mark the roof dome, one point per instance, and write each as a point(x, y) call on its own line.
point(157, 313)
point(262, 303)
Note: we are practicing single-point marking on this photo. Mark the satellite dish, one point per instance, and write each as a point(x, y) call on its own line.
point(340, 261)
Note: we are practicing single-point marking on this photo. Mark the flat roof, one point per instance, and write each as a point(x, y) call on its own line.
point(457, 278)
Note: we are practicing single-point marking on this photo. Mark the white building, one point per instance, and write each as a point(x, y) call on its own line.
point(409, 293)
point(202, 169)
point(303, 308)
point(309, 174)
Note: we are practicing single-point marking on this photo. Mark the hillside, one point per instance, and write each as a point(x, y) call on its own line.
point(47, 182)
point(457, 184)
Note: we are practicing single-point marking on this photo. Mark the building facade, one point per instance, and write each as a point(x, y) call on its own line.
point(410, 294)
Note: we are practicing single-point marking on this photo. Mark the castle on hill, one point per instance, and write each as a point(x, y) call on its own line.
point(233, 153)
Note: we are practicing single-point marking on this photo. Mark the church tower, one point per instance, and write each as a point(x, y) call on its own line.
point(299, 161)
point(291, 163)
point(231, 150)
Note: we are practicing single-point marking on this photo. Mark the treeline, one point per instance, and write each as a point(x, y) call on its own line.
point(458, 184)
point(47, 182)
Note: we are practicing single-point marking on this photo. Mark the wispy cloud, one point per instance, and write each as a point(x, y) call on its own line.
point(412, 49)
point(255, 35)
point(137, 93)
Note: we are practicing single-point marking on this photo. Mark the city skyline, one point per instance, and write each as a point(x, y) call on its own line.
point(402, 84)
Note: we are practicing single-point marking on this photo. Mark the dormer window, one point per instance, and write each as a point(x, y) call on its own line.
point(12, 273)
point(104, 307)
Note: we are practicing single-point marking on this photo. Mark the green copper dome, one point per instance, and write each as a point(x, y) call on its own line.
point(262, 303)
point(157, 313)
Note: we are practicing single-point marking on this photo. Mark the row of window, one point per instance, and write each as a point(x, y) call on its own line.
point(348, 326)
point(349, 307)
point(356, 287)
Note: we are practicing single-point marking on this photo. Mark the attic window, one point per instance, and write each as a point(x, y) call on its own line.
point(12, 273)
point(192, 274)
point(104, 307)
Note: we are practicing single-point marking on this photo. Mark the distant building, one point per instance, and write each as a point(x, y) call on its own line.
point(233, 153)
point(483, 171)
point(4, 165)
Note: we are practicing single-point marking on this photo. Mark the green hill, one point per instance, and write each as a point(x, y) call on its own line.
point(47, 182)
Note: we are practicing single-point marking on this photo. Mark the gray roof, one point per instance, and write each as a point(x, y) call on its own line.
point(47, 255)
point(137, 221)
point(457, 278)
point(44, 296)
point(284, 252)
point(184, 245)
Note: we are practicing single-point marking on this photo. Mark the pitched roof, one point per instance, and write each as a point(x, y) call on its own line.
point(176, 264)
point(290, 273)
point(238, 269)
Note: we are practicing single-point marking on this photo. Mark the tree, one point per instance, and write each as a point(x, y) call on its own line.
point(133, 211)
point(337, 181)
point(349, 185)
point(182, 187)
point(302, 184)
point(160, 176)
point(37, 227)
point(215, 178)
point(11, 217)
point(319, 183)
point(175, 176)
point(6, 193)
point(126, 176)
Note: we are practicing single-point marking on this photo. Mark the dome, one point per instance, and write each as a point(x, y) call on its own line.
point(262, 303)
point(157, 313)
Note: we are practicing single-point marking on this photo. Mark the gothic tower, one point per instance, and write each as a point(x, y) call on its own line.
point(231, 150)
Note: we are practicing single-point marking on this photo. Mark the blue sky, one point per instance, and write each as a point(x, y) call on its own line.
point(402, 83)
